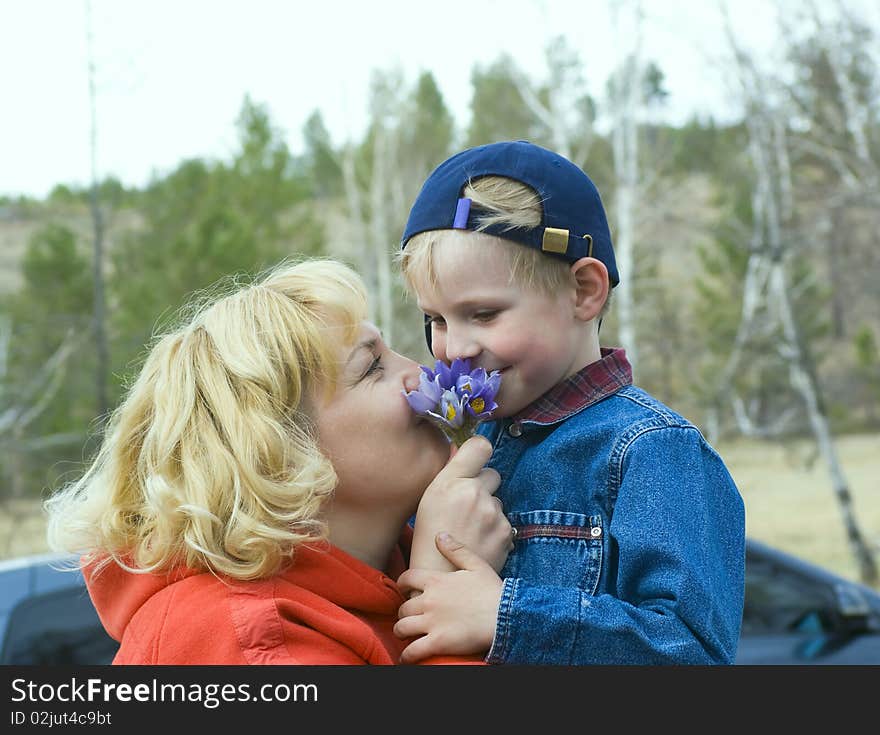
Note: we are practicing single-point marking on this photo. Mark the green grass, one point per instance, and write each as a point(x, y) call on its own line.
point(790, 502)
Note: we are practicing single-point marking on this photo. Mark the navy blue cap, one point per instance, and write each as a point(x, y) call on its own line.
point(573, 225)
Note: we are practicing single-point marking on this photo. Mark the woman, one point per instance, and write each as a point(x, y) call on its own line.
point(250, 499)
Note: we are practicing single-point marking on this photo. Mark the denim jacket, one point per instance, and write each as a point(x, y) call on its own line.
point(630, 544)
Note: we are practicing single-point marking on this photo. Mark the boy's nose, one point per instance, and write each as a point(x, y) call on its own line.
point(460, 344)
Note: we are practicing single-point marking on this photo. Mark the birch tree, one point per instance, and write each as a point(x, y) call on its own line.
point(102, 365)
point(835, 93)
point(560, 107)
point(767, 281)
point(410, 132)
point(21, 404)
point(625, 103)
point(374, 200)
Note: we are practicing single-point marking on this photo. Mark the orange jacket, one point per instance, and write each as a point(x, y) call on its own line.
point(326, 608)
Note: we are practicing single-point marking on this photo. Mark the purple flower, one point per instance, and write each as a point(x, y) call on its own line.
point(427, 396)
point(481, 390)
point(455, 398)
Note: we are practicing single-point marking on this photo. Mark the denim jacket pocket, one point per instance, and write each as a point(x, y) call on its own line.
point(556, 548)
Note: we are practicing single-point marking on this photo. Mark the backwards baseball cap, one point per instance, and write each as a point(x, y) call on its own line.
point(573, 223)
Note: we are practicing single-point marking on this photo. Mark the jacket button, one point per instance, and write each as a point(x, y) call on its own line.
point(595, 532)
point(515, 429)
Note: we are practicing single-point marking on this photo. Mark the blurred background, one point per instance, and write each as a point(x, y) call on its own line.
point(148, 149)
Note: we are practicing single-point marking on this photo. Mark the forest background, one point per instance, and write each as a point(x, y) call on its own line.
point(748, 249)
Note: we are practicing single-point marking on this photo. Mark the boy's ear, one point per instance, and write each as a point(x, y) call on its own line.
point(591, 287)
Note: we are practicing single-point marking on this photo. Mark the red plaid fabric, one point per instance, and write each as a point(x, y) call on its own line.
point(586, 387)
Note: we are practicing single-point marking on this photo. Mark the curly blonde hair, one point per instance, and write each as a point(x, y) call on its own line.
point(210, 461)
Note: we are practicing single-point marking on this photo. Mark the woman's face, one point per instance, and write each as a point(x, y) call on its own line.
point(383, 453)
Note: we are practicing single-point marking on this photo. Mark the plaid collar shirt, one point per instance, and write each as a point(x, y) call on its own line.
point(590, 385)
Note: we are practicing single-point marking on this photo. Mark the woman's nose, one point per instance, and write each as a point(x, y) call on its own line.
point(411, 373)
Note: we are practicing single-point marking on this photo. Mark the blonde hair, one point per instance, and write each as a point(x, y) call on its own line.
point(210, 460)
point(501, 201)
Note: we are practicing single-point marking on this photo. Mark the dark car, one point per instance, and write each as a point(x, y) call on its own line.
point(795, 613)
point(799, 613)
point(46, 615)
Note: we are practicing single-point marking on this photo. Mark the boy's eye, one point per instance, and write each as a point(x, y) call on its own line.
point(485, 316)
point(438, 321)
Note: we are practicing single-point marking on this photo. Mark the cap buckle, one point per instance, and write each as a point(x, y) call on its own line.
point(555, 240)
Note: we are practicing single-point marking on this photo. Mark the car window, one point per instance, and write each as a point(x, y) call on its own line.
point(58, 627)
point(777, 600)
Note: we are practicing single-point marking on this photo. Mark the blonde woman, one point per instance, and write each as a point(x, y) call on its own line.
point(249, 502)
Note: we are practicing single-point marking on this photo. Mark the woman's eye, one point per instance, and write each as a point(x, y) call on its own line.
point(375, 366)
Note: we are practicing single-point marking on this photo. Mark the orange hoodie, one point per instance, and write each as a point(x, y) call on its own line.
point(326, 608)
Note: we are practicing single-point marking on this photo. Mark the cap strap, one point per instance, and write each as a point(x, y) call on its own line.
point(462, 211)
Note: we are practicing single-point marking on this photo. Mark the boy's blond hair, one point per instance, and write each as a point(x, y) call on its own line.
point(211, 461)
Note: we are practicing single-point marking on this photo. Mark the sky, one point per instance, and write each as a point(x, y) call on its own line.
point(171, 75)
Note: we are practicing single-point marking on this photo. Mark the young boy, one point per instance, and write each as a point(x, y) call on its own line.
point(630, 532)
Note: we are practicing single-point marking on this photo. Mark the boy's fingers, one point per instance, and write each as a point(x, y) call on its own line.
point(470, 457)
point(417, 650)
point(413, 606)
point(409, 627)
point(413, 580)
point(457, 553)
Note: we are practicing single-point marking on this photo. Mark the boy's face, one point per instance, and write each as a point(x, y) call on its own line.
point(534, 339)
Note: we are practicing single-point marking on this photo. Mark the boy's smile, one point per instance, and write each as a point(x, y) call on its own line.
point(477, 312)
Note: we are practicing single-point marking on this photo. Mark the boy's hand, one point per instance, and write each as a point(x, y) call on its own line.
point(455, 612)
point(460, 501)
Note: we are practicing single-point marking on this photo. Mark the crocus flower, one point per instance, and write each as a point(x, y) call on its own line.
point(455, 398)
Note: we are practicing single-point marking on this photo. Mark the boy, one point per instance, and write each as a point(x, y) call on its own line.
point(630, 532)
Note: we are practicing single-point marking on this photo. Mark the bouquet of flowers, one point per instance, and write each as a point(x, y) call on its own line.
point(455, 398)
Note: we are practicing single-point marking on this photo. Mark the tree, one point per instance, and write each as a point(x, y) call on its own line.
point(47, 391)
point(768, 282)
point(427, 132)
point(21, 404)
point(498, 110)
point(626, 99)
point(54, 301)
point(410, 131)
point(99, 326)
point(833, 95)
point(320, 160)
point(561, 106)
point(868, 371)
point(207, 220)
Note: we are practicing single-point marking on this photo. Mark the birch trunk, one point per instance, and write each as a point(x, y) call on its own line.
point(771, 210)
point(102, 363)
point(626, 100)
point(381, 204)
point(804, 381)
point(19, 407)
